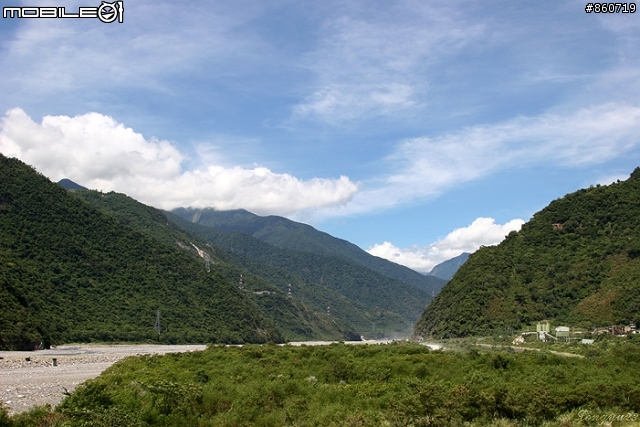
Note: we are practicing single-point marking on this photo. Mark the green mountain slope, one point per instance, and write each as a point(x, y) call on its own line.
point(284, 233)
point(375, 304)
point(71, 273)
point(577, 261)
point(294, 319)
point(372, 303)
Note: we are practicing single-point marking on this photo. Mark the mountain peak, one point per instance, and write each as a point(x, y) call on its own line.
point(445, 270)
point(284, 233)
point(67, 184)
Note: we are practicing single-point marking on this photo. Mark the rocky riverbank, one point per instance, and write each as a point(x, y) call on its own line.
point(30, 378)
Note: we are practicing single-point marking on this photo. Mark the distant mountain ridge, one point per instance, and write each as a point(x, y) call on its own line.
point(284, 233)
point(577, 261)
point(445, 270)
point(375, 303)
point(70, 185)
point(342, 292)
point(352, 295)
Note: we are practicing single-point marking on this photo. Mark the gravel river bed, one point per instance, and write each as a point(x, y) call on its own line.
point(28, 378)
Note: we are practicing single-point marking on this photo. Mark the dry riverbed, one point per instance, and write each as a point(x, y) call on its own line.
point(27, 383)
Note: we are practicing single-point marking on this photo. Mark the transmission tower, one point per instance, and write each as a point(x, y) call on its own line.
point(289, 290)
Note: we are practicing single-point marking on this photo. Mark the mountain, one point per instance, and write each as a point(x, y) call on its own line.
point(375, 304)
point(67, 184)
point(356, 296)
point(70, 273)
point(284, 233)
point(576, 262)
point(295, 319)
point(445, 270)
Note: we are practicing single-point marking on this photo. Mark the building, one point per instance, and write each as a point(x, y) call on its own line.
point(543, 328)
point(563, 332)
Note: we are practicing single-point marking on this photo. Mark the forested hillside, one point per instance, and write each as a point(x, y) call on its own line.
point(358, 298)
point(375, 304)
point(287, 234)
point(295, 319)
point(577, 261)
point(71, 273)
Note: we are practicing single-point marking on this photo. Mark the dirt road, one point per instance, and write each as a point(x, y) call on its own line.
point(27, 383)
point(521, 349)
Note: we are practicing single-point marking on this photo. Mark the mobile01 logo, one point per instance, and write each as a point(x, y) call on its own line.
point(106, 12)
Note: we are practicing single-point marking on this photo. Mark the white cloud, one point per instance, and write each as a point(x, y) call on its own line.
point(346, 102)
point(588, 136)
point(366, 67)
point(481, 232)
point(613, 178)
point(98, 152)
point(158, 41)
point(425, 167)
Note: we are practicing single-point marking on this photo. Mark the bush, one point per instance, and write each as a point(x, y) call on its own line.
point(402, 384)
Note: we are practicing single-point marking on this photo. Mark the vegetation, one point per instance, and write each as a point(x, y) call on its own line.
point(371, 302)
point(400, 384)
point(577, 261)
point(287, 234)
point(361, 301)
point(296, 321)
point(71, 273)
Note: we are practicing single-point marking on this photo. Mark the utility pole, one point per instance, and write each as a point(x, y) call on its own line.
point(158, 328)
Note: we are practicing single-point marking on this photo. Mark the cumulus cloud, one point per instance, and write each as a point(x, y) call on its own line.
point(98, 152)
point(481, 232)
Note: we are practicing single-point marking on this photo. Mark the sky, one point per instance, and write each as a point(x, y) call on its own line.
point(416, 130)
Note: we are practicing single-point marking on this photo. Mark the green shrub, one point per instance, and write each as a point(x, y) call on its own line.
point(395, 385)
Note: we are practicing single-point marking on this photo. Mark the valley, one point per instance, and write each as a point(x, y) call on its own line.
point(83, 266)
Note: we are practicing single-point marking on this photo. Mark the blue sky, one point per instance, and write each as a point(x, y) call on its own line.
point(414, 129)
